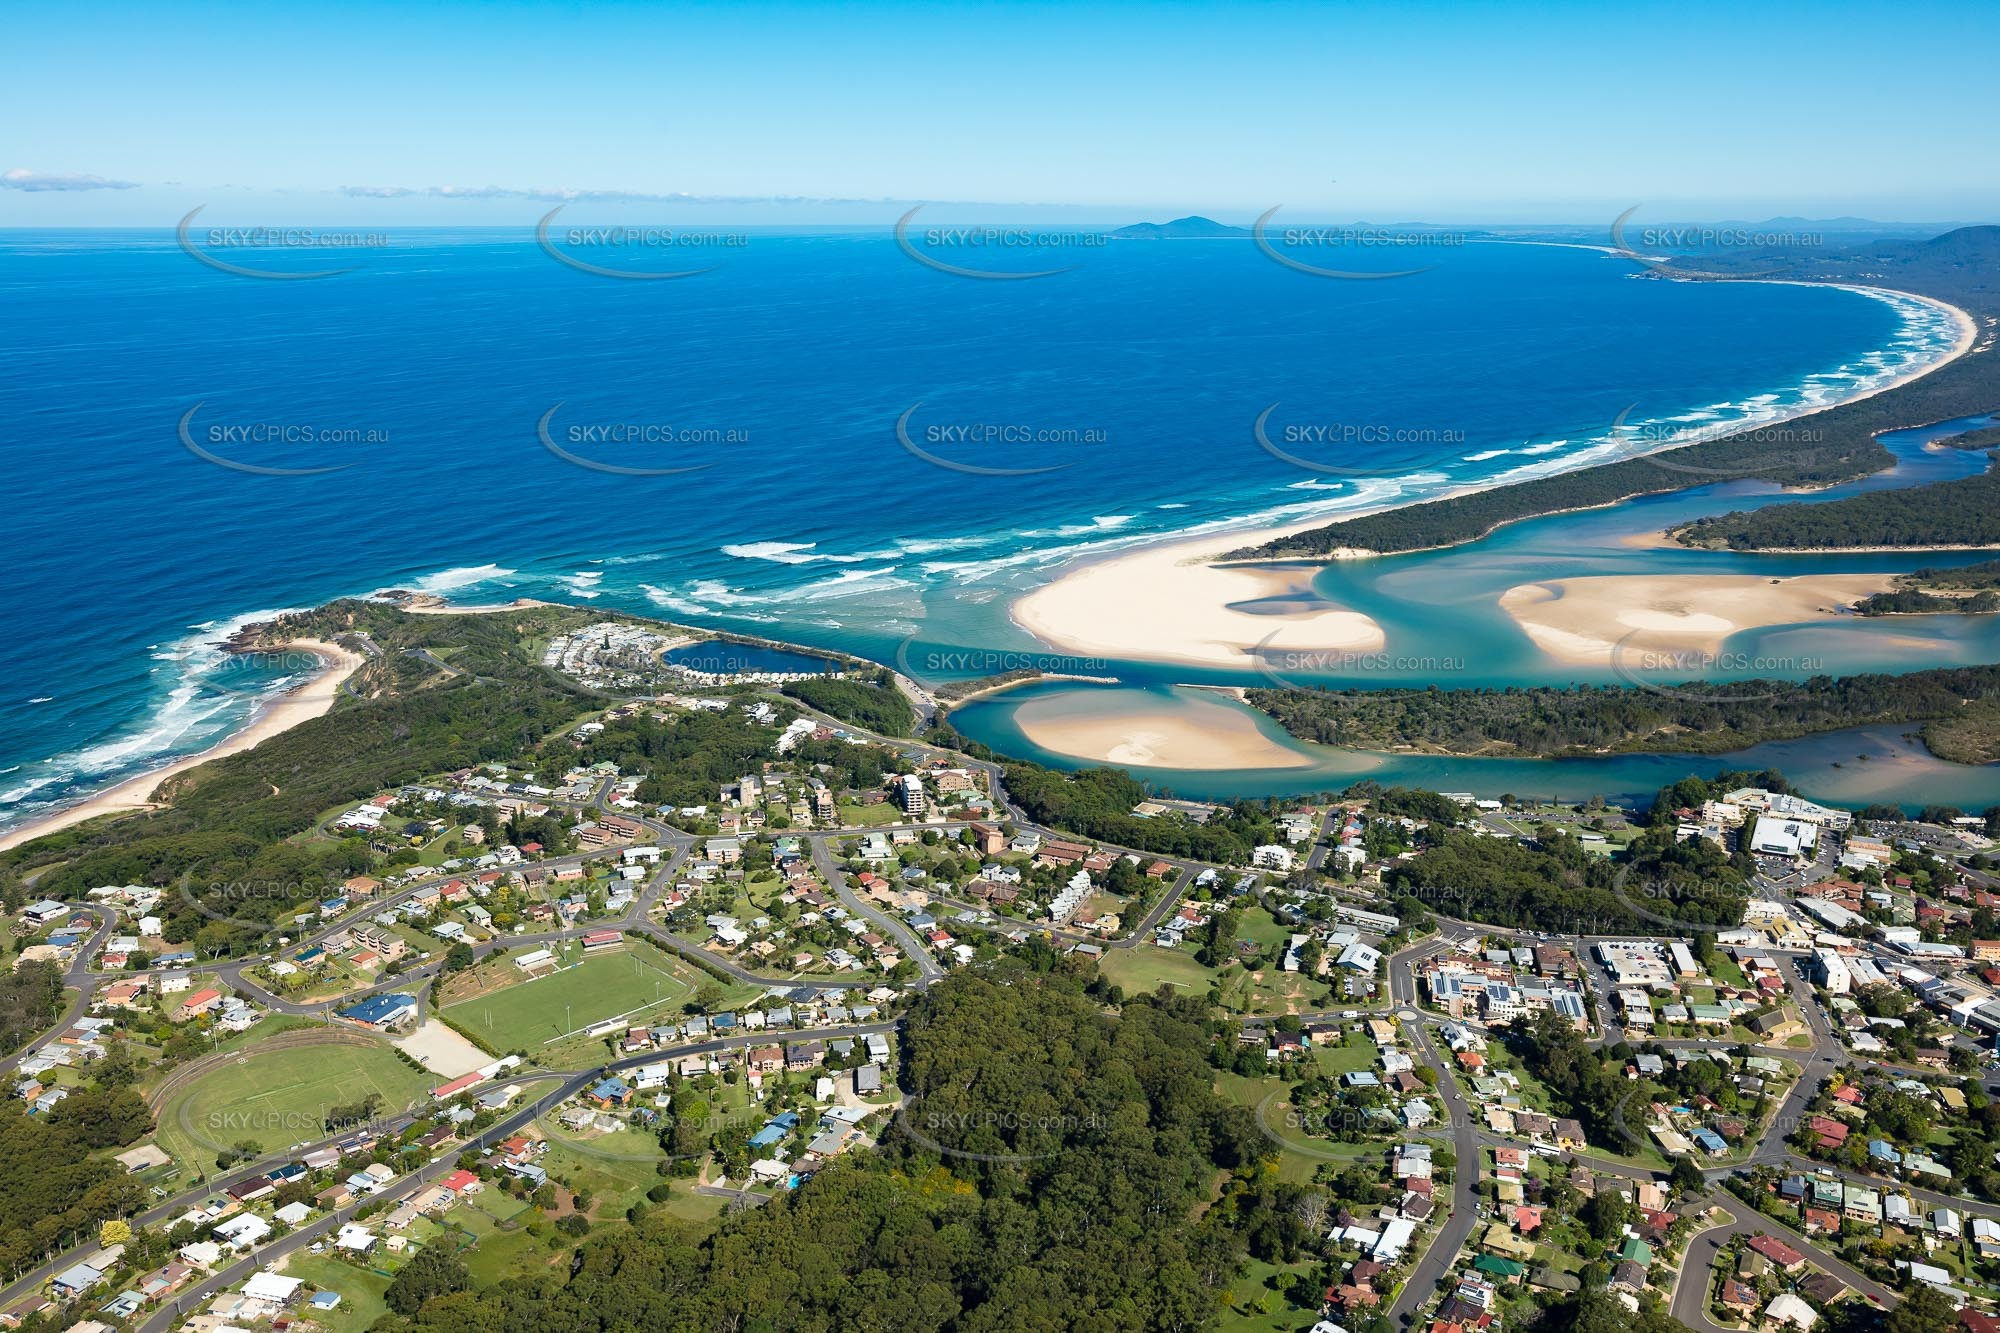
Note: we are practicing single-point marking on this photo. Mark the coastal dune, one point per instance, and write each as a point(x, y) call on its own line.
point(311, 699)
point(1668, 622)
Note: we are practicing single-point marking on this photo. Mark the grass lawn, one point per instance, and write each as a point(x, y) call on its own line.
point(1271, 990)
point(617, 1169)
point(1261, 927)
point(500, 1255)
point(360, 1289)
point(1355, 1054)
point(1300, 1153)
point(685, 1204)
point(279, 1097)
point(532, 1012)
point(1252, 1307)
point(1144, 968)
point(867, 816)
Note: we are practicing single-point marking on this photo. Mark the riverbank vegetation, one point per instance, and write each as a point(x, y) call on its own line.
point(1696, 718)
point(1964, 512)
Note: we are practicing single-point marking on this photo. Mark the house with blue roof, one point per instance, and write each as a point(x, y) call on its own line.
point(381, 1012)
point(1881, 1150)
point(610, 1092)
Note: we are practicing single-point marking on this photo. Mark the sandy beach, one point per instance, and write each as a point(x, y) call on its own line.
point(1193, 735)
point(1173, 603)
point(309, 700)
point(1671, 622)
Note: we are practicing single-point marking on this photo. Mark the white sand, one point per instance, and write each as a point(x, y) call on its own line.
point(1169, 603)
point(1671, 621)
point(1195, 735)
point(309, 700)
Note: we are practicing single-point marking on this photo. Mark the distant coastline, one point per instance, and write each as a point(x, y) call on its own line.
point(1173, 601)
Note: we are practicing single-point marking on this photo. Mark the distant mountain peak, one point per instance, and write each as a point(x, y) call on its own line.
point(1192, 227)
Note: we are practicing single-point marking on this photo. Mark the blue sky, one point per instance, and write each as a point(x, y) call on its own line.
point(1451, 112)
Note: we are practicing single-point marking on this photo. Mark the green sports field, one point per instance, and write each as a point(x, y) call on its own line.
point(532, 1013)
point(276, 1098)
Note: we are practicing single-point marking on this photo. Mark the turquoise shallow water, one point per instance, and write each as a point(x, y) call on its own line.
point(1440, 611)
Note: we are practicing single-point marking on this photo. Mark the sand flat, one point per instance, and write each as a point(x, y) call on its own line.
point(1169, 603)
point(1671, 620)
point(1190, 734)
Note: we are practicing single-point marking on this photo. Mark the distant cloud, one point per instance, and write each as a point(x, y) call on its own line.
point(20, 178)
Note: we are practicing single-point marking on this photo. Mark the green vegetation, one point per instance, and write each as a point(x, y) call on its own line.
point(1556, 885)
point(1965, 512)
point(1845, 456)
point(60, 1189)
point(1097, 803)
point(360, 1289)
point(1970, 736)
point(1078, 1146)
point(685, 757)
point(30, 998)
point(1918, 592)
point(871, 702)
point(1551, 722)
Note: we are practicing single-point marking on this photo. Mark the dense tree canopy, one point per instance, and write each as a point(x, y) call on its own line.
point(1046, 1173)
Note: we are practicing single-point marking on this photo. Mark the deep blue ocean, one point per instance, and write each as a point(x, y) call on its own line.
point(451, 407)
